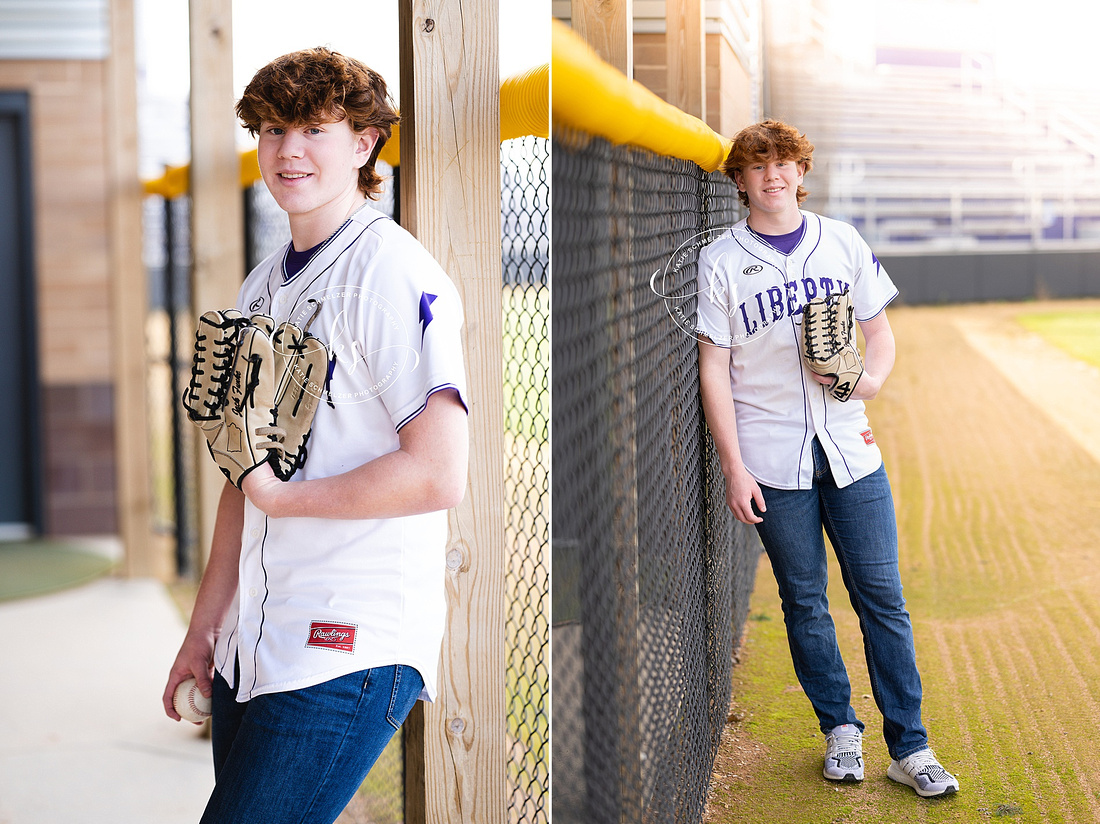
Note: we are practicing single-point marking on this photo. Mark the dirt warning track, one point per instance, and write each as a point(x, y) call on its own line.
point(998, 499)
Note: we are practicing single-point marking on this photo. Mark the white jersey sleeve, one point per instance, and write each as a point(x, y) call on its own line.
point(872, 288)
point(410, 326)
point(715, 306)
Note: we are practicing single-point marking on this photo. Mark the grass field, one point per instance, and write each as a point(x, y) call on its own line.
point(1075, 332)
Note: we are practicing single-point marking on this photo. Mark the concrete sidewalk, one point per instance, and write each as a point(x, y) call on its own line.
point(83, 736)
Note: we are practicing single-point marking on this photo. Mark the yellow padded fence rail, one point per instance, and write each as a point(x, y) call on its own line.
point(592, 96)
point(524, 110)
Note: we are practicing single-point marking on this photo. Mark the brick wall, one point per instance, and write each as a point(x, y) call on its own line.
point(72, 289)
point(80, 462)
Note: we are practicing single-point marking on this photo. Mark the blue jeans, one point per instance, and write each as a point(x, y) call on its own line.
point(298, 757)
point(859, 520)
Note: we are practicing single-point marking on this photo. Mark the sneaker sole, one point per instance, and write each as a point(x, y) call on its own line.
point(902, 777)
point(849, 778)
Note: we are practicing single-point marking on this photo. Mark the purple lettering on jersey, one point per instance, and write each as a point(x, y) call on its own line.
point(792, 298)
point(776, 298)
point(750, 329)
point(760, 306)
point(810, 288)
point(789, 304)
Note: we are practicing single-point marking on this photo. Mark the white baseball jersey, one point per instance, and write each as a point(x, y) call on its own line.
point(321, 598)
point(751, 298)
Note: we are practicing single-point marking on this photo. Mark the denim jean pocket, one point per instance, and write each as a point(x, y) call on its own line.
point(407, 685)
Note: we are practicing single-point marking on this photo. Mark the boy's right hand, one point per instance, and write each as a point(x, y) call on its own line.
point(742, 491)
point(194, 660)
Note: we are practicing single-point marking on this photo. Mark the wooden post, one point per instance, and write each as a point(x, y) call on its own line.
point(128, 301)
point(686, 56)
point(217, 222)
point(607, 26)
point(450, 199)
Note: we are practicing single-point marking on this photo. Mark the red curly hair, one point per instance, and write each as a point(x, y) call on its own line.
point(765, 141)
point(321, 86)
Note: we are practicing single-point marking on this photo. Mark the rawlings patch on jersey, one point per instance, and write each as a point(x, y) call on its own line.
point(868, 438)
point(332, 635)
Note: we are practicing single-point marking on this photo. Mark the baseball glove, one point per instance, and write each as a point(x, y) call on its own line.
point(302, 369)
point(249, 434)
point(828, 342)
point(254, 390)
point(212, 366)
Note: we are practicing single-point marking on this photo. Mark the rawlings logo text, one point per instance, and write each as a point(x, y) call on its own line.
point(334, 636)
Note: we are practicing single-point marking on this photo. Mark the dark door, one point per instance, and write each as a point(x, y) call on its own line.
point(19, 478)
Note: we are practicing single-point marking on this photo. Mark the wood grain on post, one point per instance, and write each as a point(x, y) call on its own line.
point(129, 303)
point(607, 26)
point(217, 213)
point(450, 199)
point(685, 50)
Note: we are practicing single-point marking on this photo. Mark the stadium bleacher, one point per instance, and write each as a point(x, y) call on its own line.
point(920, 156)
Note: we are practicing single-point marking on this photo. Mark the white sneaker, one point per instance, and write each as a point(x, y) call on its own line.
point(844, 754)
point(923, 773)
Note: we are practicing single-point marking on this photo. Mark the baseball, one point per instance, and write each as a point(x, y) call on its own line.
point(190, 703)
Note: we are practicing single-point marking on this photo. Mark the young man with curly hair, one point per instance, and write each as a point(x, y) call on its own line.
point(797, 460)
point(320, 616)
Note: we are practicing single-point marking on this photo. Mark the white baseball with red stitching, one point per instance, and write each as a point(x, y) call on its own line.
point(191, 704)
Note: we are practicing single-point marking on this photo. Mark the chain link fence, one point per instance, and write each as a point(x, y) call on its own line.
point(525, 232)
point(652, 575)
point(525, 218)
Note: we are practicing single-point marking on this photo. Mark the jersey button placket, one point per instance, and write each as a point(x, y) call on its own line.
point(251, 575)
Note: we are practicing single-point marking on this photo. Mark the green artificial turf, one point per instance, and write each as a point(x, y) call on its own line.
point(30, 568)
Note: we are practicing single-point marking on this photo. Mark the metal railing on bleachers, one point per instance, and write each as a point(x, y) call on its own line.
point(923, 158)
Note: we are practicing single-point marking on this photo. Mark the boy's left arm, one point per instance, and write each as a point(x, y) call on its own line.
point(878, 359)
point(427, 473)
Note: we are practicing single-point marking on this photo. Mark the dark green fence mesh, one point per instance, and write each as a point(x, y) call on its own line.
point(651, 573)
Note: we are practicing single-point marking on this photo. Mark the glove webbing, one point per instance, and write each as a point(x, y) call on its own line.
point(830, 334)
point(221, 367)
